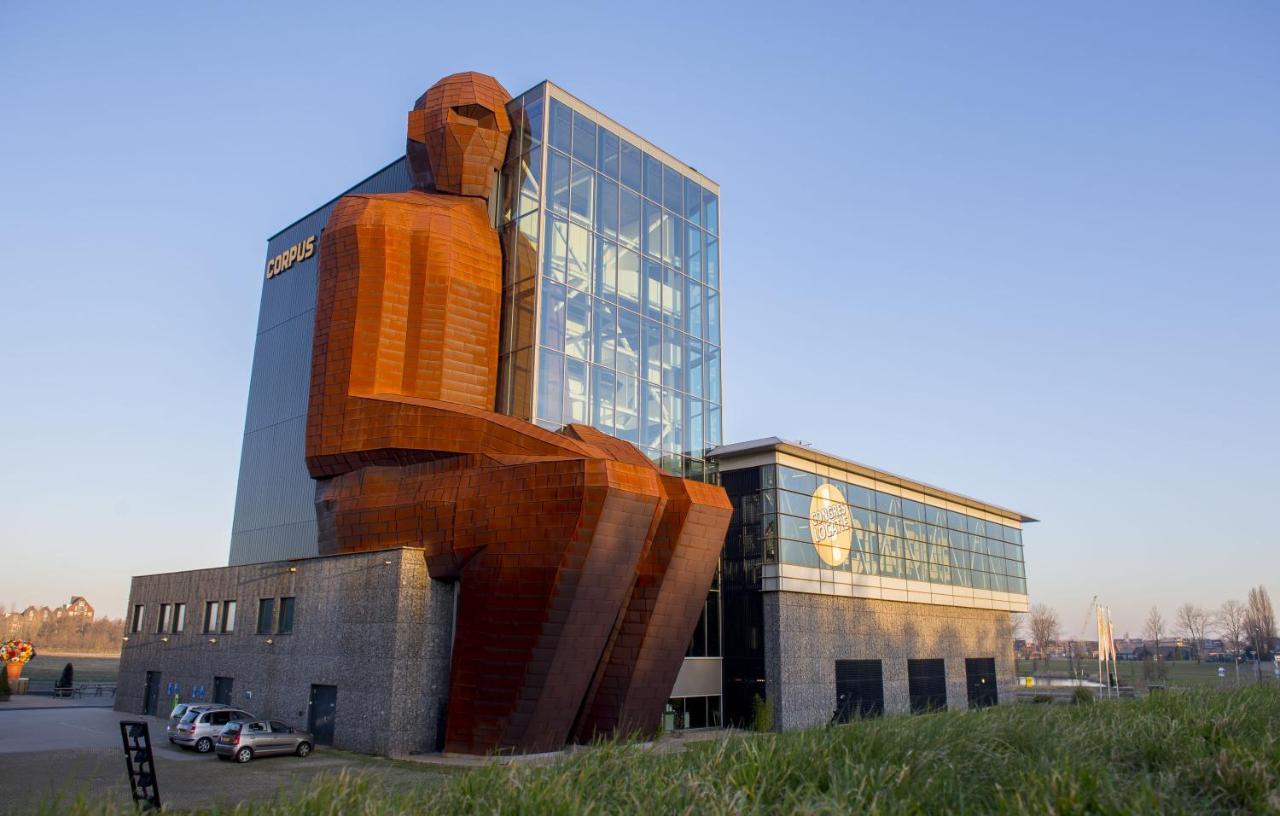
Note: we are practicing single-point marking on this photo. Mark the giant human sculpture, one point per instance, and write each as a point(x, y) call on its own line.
point(582, 569)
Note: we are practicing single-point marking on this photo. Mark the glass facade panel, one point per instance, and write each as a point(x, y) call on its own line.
point(620, 327)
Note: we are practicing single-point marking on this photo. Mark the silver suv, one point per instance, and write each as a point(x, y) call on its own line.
point(244, 740)
point(180, 710)
point(200, 726)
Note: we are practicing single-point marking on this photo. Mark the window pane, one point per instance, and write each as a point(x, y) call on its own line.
point(551, 331)
point(628, 349)
point(672, 191)
point(631, 165)
point(651, 358)
point(671, 231)
point(713, 426)
point(711, 262)
point(578, 261)
point(672, 421)
point(629, 279)
point(692, 202)
point(607, 153)
point(530, 180)
point(532, 133)
point(710, 212)
point(286, 616)
point(651, 416)
point(652, 233)
point(550, 385)
point(672, 297)
point(693, 383)
point(266, 615)
point(577, 337)
point(575, 394)
point(693, 429)
point(604, 387)
point(626, 409)
point(673, 374)
point(652, 178)
point(228, 616)
point(582, 193)
point(179, 617)
point(712, 334)
point(607, 207)
point(713, 373)
point(604, 335)
point(693, 253)
point(584, 139)
point(561, 125)
point(521, 306)
point(652, 290)
point(693, 307)
point(606, 270)
point(629, 219)
point(556, 247)
point(558, 183)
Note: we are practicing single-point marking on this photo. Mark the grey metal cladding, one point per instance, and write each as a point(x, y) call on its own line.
point(275, 497)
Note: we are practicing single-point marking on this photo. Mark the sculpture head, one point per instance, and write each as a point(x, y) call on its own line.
point(458, 134)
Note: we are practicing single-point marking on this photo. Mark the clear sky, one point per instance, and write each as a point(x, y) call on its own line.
point(1027, 252)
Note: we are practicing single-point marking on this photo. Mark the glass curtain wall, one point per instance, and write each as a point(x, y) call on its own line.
point(612, 287)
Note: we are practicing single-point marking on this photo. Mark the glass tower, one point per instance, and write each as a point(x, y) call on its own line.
point(611, 313)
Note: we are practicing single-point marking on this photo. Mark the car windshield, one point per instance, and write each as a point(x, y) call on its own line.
point(232, 728)
point(190, 716)
point(178, 711)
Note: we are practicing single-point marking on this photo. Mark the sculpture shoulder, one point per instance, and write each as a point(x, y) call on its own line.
point(408, 209)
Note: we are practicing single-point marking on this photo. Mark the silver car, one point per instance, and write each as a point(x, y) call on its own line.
point(245, 739)
point(180, 710)
point(200, 726)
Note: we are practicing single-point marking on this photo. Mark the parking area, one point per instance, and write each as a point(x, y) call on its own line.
point(66, 751)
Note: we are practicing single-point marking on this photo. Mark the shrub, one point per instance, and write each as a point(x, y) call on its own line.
point(761, 714)
point(1042, 698)
point(67, 680)
point(1082, 696)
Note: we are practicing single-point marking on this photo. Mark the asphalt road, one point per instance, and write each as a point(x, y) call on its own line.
point(62, 753)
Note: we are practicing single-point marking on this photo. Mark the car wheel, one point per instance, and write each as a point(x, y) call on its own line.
point(204, 745)
point(244, 755)
point(304, 748)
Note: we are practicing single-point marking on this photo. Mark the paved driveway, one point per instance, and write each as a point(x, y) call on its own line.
point(67, 752)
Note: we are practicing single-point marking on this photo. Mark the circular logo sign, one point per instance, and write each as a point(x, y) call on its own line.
point(830, 525)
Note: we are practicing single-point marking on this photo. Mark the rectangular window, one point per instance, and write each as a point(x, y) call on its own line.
point(228, 617)
point(266, 615)
point(927, 685)
point(286, 616)
point(980, 674)
point(163, 621)
point(631, 171)
point(211, 613)
point(179, 618)
point(139, 610)
point(859, 689)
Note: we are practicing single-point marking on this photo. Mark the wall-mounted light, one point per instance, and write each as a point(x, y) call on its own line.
point(126, 637)
point(387, 562)
point(293, 569)
point(164, 640)
point(213, 640)
point(270, 641)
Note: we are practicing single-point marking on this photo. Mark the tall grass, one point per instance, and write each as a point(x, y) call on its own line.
point(1195, 752)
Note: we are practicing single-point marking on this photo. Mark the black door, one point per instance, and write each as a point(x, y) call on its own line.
point(222, 689)
point(324, 709)
point(151, 694)
point(859, 689)
point(927, 685)
point(980, 672)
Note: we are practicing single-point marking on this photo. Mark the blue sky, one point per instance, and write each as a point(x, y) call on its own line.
point(1025, 253)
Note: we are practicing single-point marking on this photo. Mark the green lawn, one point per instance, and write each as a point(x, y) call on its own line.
point(1182, 752)
point(1179, 672)
point(46, 667)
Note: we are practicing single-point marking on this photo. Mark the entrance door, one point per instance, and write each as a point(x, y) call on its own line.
point(927, 685)
point(980, 672)
point(222, 689)
point(324, 709)
point(151, 693)
point(859, 689)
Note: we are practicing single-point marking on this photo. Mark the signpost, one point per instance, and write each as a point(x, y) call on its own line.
point(140, 763)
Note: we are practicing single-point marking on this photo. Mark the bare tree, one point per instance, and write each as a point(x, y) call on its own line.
point(1154, 628)
point(1192, 621)
point(1044, 627)
point(1231, 618)
point(1260, 623)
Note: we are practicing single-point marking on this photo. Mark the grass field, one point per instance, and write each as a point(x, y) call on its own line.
point(1195, 751)
point(1179, 672)
point(48, 667)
